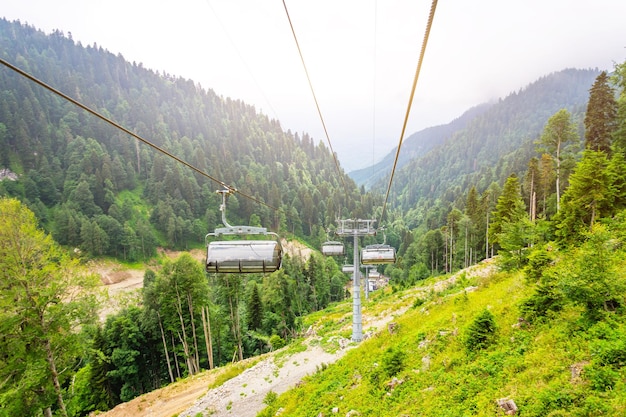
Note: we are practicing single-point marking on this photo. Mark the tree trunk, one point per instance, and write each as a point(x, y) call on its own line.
point(175, 357)
point(55, 377)
point(183, 335)
point(206, 325)
point(234, 317)
point(193, 330)
point(167, 355)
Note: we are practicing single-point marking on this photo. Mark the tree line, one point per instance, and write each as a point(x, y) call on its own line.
point(573, 181)
point(59, 358)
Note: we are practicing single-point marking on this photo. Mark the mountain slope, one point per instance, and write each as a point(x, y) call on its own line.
point(323, 345)
point(75, 171)
point(477, 152)
point(415, 146)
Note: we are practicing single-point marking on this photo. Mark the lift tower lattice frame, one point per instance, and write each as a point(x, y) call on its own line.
point(356, 228)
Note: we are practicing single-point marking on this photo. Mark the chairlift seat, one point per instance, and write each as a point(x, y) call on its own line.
point(244, 256)
point(378, 255)
point(347, 268)
point(333, 248)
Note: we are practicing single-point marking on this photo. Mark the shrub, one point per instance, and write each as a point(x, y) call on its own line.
point(480, 333)
point(393, 361)
point(276, 342)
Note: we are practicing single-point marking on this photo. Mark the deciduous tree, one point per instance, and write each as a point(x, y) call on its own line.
point(557, 133)
point(44, 299)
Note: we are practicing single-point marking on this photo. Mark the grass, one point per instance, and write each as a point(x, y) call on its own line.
point(530, 364)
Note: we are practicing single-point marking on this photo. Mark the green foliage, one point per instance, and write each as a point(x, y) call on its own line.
point(480, 333)
point(392, 361)
point(44, 299)
point(592, 278)
point(276, 342)
point(601, 115)
point(270, 398)
point(79, 169)
point(509, 209)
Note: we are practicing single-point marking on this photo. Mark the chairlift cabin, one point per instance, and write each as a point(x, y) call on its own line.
point(332, 248)
point(241, 255)
point(378, 254)
point(347, 268)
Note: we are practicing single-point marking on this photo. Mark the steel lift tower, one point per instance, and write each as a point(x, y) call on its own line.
point(356, 228)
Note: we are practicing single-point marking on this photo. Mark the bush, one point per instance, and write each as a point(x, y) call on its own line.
point(393, 361)
point(480, 333)
point(601, 378)
point(276, 342)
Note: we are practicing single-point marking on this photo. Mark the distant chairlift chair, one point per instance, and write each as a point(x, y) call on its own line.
point(378, 255)
point(332, 248)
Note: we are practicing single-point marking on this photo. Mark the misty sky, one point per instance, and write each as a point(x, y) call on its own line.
point(361, 54)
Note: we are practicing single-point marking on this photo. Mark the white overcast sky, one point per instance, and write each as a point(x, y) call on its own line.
point(361, 54)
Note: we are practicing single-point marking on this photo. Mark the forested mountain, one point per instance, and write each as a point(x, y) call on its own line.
point(415, 146)
point(494, 144)
point(99, 189)
point(100, 192)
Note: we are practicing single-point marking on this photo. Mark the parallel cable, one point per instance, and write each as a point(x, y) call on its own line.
point(319, 112)
point(134, 135)
point(374, 87)
point(408, 110)
point(243, 61)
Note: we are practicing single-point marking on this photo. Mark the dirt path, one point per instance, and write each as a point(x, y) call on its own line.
point(243, 395)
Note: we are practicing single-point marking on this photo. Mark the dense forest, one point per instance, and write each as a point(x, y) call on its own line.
point(89, 183)
point(75, 188)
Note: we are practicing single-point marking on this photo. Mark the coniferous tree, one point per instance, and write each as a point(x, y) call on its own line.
point(587, 198)
point(509, 208)
point(254, 308)
point(600, 118)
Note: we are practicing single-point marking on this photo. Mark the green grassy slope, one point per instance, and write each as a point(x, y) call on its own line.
point(555, 367)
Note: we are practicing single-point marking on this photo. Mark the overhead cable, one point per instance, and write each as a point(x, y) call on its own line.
point(136, 136)
point(319, 112)
point(408, 110)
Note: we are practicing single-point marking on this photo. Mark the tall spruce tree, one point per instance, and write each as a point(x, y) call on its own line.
point(509, 208)
point(587, 198)
point(601, 116)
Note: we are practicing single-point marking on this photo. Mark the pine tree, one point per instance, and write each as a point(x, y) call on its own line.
point(509, 208)
point(254, 308)
point(600, 119)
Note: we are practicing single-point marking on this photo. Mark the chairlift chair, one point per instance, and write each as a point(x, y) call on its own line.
point(378, 255)
point(333, 248)
point(241, 255)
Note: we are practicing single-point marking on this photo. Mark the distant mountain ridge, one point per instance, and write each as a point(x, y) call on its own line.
point(415, 146)
point(493, 144)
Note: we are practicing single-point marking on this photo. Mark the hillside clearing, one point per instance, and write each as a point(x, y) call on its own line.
point(278, 371)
